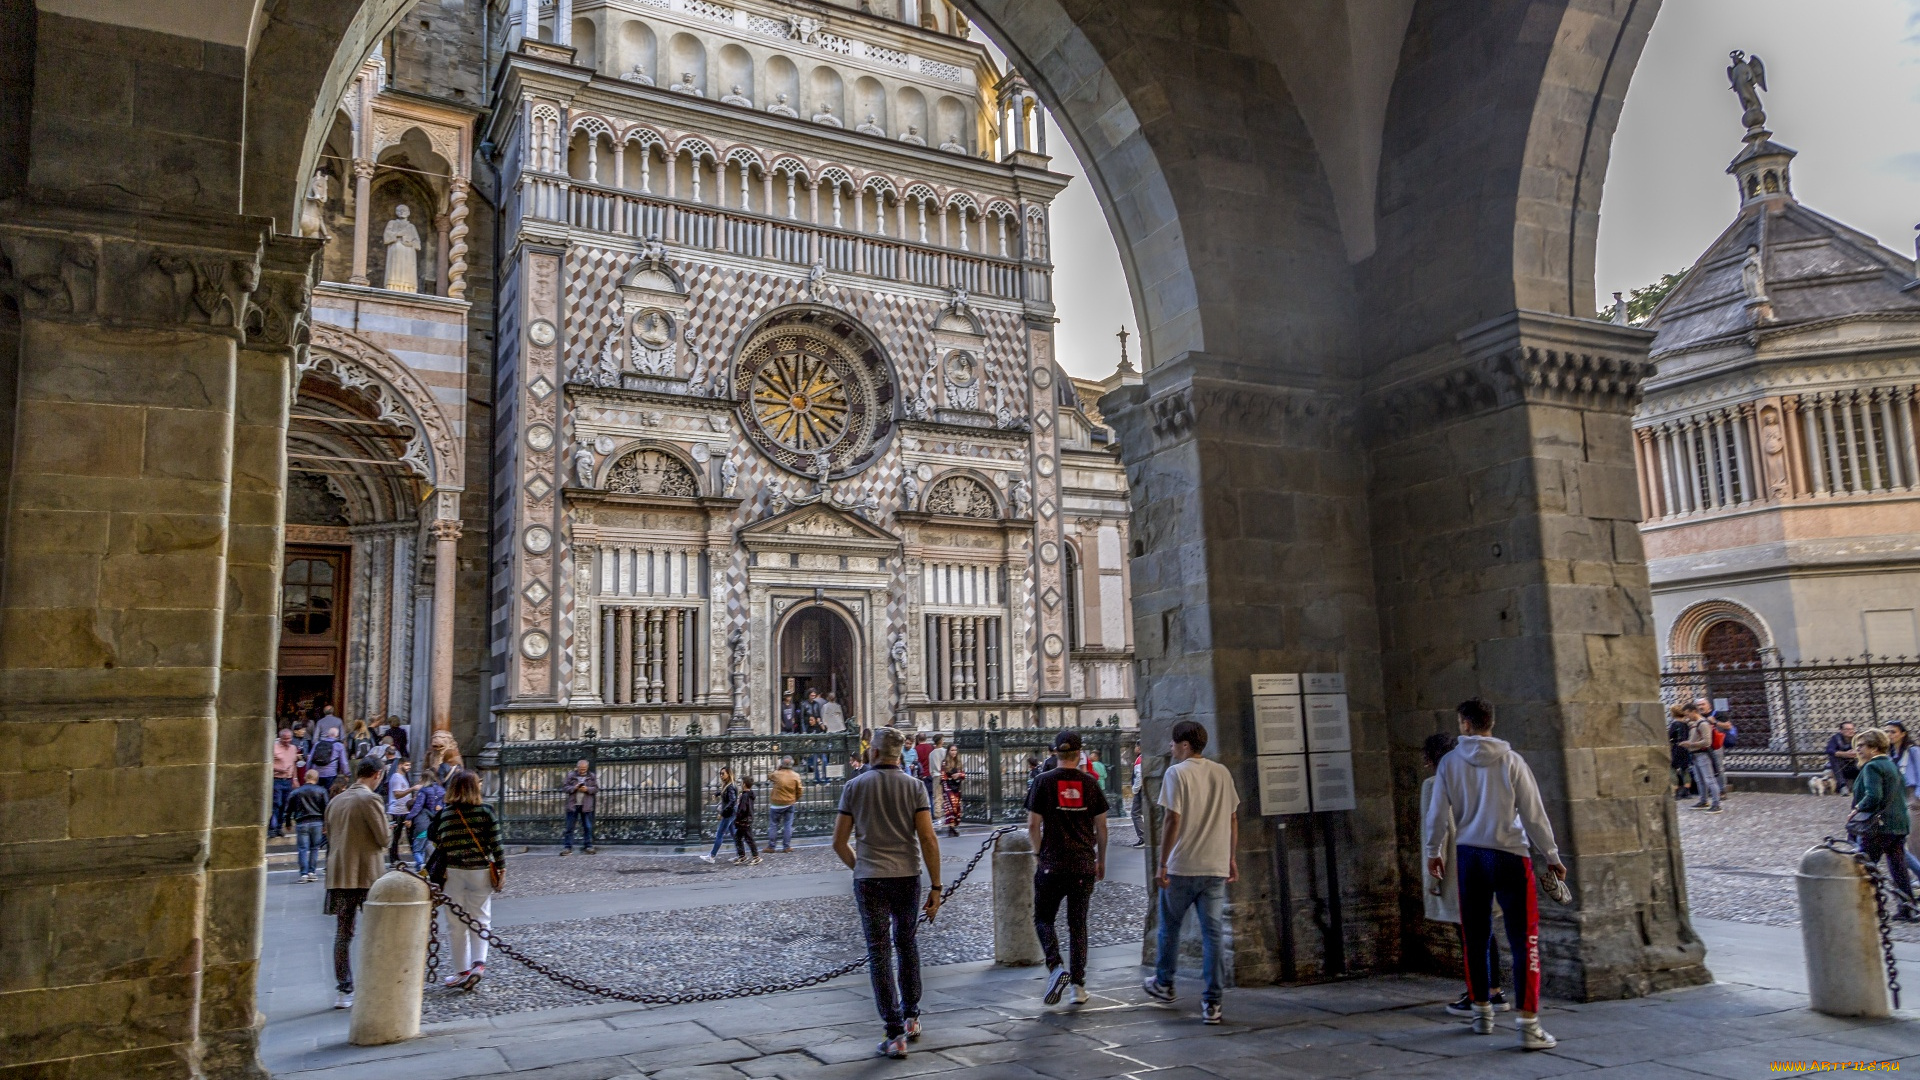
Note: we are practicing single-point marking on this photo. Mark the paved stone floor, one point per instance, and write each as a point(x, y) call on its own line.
point(987, 1023)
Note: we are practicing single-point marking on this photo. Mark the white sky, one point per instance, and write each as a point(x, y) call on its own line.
point(1845, 93)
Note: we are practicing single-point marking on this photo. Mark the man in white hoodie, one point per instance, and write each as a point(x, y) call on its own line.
point(1484, 796)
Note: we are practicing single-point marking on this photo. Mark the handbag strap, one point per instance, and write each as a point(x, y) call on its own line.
point(475, 839)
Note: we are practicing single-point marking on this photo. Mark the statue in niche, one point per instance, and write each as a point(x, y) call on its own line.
point(1773, 445)
point(685, 85)
point(910, 491)
point(825, 116)
point(963, 382)
point(912, 137)
point(735, 97)
point(898, 652)
point(870, 126)
point(313, 212)
point(606, 365)
point(953, 145)
point(583, 466)
point(1753, 276)
point(1748, 76)
point(403, 252)
point(817, 280)
point(1022, 497)
point(781, 108)
point(638, 75)
point(653, 251)
point(729, 477)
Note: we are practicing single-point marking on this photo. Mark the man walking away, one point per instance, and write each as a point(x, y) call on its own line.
point(743, 825)
point(328, 756)
point(783, 801)
point(1067, 820)
point(1199, 857)
point(580, 791)
point(1699, 746)
point(885, 814)
point(357, 842)
point(1484, 796)
point(729, 797)
point(286, 764)
point(307, 809)
point(1442, 898)
point(399, 806)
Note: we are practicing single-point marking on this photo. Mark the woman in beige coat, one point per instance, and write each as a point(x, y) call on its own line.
point(356, 829)
point(1442, 895)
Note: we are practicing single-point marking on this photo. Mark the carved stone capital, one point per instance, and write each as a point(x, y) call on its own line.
point(446, 529)
point(1523, 357)
point(1202, 396)
point(362, 169)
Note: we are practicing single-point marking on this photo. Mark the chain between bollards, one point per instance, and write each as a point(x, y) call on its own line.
point(440, 898)
point(1881, 885)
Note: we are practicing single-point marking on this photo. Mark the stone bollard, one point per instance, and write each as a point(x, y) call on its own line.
point(391, 970)
point(1014, 940)
point(1840, 930)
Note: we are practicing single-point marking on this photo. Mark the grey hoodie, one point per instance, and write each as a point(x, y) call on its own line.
point(1487, 793)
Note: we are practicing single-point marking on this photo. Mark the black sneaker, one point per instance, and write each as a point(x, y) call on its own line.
point(1157, 989)
point(1463, 1005)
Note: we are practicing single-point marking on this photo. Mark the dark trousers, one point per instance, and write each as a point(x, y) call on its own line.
point(1049, 888)
point(585, 818)
point(400, 828)
point(743, 838)
point(1487, 875)
point(282, 787)
point(343, 945)
point(889, 913)
point(1893, 848)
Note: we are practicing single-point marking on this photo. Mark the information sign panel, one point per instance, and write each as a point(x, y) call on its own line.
point(1276, 684)
point(1327, 723)
point(1279, 725)
point(1323, 682)
point(1283, 784)
point(1332, 778)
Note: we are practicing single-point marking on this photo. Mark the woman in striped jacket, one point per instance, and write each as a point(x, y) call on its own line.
point(466, 836)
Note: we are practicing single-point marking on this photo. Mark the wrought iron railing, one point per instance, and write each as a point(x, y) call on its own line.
point(664, 791)
point(1785, 713)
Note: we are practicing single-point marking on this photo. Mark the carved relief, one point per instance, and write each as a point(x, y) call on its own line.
point(353, 362)
point(651, 472)
point(1773, 452)
point(962, 496)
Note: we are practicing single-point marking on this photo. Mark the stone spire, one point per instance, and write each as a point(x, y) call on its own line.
point(1761, 168)
point(1126, 366)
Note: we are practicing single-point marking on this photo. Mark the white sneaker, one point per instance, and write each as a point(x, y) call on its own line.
point(343, 1001)
point(1056, 985)
point(1483, 1018)
point(1535, 1037)
point(1078, 995)
point(706, 858)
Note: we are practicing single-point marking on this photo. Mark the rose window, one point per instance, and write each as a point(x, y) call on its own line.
point(812, 385)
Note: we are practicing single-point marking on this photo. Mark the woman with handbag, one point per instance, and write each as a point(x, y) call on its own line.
point(1879, 822)
point(465, 837)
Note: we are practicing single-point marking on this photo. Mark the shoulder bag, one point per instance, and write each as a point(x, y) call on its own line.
point(496, 873)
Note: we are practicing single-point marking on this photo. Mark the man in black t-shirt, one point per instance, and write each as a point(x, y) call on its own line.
point(1067, 819)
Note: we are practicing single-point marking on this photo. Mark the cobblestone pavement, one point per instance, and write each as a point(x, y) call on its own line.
point(541, 872)
point(1740, 864)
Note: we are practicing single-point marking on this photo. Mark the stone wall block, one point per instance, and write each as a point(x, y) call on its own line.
point(111, 802)
point(83, 438)
point(1609, 439)
point(110, 1016)
point(61, 532)
point(157, 911)
point(35, 807)
point(162, 368)
point(189, 444)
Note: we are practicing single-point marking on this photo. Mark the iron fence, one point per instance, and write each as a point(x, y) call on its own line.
point(1785, 713)
point(665, 791)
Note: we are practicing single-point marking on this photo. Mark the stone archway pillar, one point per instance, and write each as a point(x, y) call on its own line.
point(446, 542)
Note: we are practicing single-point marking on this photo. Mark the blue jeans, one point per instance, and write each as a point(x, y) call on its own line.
point(890, 913)
point(721, 837)
point(307, 837)
point(1706, 778)
point(585, 818)
point(1209, 895)
point(282, 787)
point(819, 763)
point(780, 826)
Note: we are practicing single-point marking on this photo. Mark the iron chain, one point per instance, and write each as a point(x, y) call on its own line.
point(440, 899)
point(1882, 884)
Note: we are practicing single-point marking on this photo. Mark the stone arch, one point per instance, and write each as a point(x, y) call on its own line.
point(1691, 625)
point(648, 463)
point(859, 652)
point(434, 453)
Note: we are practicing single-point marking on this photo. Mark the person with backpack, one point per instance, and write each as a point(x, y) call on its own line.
point(328, 758)
point(1679, 761)
point(428, 798)
point(1723, 737)
point(1699, 748)
point(1485, 798)
point(729, 799)
point(467, 855)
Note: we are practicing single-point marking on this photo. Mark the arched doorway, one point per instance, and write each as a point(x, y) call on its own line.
point(818, 651)
point(1730, 656)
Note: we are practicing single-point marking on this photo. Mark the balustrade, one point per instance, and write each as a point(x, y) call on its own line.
point(963, 658)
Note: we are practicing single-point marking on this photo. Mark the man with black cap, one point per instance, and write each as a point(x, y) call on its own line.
point(1067, 820)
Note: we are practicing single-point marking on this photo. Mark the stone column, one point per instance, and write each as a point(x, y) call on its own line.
point(456, 285)
point(362, 218)
point(446, 572)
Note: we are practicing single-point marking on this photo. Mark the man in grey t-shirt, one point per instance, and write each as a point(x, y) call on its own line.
point(884, 831)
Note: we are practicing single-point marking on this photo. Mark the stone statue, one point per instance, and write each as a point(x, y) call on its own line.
point(313, 213)
point(638, 75)
point(959, 296)
point(1022, 497)
point(779, 504)
point(953, 145)
point(583, 466)
point(898, 651)
point(729, 477)
point(653, 251)
point(910, 491)
point(737, 643)
point(1753, 276)
point(735, 97)
point(1619, 310)
point(817, 280)
point(685, 85)
point(781, 108)
point(870, 126)
point(912, 137)
point(825, 116)
point(802, 28)
point(403, 252)
point(1748, 76)
point(822, 473)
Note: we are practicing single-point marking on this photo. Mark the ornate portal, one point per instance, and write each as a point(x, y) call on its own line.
point(813, 386)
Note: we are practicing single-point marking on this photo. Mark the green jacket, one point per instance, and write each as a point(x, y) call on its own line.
point(1880, 788)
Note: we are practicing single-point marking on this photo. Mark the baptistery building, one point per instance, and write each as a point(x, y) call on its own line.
point(777, 404)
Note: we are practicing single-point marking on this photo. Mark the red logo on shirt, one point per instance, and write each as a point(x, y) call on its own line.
point(1069, 795)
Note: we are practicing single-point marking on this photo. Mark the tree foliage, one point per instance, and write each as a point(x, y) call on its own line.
point(1642, 301)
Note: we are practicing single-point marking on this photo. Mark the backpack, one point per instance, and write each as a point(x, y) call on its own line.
point(322, 756)
point(1730, 737)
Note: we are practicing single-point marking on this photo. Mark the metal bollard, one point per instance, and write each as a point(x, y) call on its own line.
point(1840, 931)
point(1014, 941)
point(391, 970)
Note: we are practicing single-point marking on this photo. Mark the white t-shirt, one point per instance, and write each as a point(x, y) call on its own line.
point(1201, 791)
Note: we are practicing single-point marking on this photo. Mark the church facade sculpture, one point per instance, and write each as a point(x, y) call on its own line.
point(402, 240)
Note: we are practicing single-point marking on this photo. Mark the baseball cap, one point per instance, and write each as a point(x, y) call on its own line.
point(1067, 740)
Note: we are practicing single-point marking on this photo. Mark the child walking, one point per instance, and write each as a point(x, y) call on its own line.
point(743, 825)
